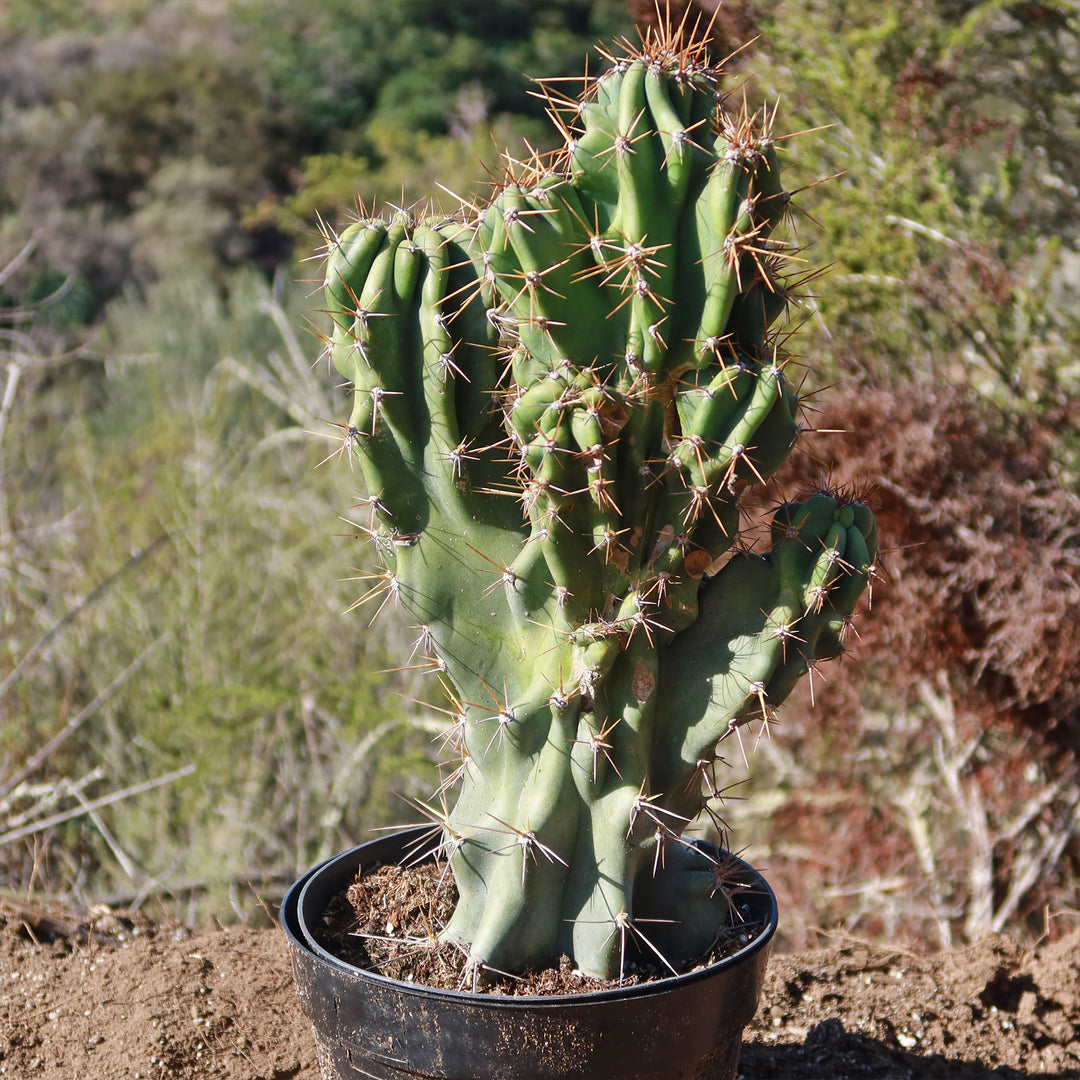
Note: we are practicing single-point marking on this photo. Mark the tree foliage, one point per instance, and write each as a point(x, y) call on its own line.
point(142, 136)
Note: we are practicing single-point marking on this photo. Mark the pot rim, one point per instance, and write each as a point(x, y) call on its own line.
point(295, 927)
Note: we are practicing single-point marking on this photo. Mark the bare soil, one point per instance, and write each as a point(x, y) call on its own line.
point(114, 997)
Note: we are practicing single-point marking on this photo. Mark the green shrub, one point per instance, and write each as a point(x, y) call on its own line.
point(949, 224)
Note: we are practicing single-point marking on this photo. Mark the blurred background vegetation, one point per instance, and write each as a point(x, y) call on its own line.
point(184, 707)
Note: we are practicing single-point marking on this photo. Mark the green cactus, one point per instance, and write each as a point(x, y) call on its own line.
point(558, 398)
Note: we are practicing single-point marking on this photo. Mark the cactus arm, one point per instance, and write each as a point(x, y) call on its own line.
point(763, 620)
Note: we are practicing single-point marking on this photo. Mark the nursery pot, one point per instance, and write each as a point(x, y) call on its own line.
point(368, 1025)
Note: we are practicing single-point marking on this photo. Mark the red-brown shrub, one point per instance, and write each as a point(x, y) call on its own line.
point(930, 788)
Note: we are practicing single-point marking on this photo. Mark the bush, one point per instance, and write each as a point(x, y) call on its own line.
point(934, 785)
point(953, 140)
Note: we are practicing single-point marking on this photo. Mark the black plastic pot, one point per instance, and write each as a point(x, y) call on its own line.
point(366, 1025)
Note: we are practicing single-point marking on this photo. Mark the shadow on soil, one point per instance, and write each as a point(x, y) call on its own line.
point(831, 1051)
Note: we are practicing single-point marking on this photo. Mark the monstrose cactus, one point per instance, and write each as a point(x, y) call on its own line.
point(558, 397)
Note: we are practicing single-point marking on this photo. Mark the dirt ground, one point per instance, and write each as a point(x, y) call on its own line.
point(112, 998)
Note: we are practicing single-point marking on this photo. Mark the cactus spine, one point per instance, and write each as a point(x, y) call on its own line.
point(558, 397)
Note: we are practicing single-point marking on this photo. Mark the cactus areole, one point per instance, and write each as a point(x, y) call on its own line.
point(558, 397)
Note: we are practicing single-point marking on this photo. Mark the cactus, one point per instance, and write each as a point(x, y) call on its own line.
point(558, 398)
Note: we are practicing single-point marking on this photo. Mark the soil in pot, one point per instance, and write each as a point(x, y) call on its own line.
point(389, 917)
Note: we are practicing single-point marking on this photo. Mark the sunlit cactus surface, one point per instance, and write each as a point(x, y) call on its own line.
point(558, 397)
